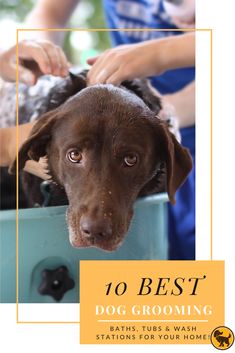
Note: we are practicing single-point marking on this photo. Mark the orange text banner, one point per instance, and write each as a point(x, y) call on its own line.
point(129, 302)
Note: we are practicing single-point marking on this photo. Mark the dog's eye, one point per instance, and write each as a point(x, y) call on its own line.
point(74, 156)
point(130, 160)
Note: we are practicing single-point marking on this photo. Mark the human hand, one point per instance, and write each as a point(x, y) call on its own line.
point(9, 142)
point(182, 13)
point(40, 168)
point(126, 62)
point(8, 150)
point(190, 23)
point(183, 102)
point(36, 58)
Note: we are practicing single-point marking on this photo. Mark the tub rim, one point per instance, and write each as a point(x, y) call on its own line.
point(44, 212)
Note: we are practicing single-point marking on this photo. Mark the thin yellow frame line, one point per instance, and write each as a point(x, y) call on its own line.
point(114, 29)
point(17, 132)
point(48, 322)
point(211, 144)
point(17, 175)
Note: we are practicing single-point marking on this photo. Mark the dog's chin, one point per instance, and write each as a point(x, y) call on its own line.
point(77, 241)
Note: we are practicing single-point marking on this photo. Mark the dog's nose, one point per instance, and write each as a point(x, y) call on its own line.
point(95, 228)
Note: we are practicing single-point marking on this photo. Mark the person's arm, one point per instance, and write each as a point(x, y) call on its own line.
point(8, 150)
point(8, 142)
point(144, 59)
point(183, 103)
point(50, 14)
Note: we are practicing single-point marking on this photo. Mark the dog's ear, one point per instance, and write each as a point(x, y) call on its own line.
point(143, 89)
point(35, 146)
point(176, 161)
point(78, 80)
point(67, 88)
point(178, 164)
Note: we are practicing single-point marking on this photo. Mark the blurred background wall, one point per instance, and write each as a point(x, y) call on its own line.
point(78, 45)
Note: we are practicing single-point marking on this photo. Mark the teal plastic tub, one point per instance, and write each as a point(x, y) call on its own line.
point(43, 244)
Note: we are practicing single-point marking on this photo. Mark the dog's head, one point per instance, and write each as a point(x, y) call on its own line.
point(105, 146)
point(218, 333)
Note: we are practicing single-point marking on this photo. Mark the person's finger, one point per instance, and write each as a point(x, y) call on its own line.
point(25, 75)
point(101, 76)
point(37, 169)
point(116, 78)
point(61, 61)
point(91, 61)
point(184, 24)
point(101, 71)
point(64, 62)
point(101, 63)
point(52, 53)
point(33, 51)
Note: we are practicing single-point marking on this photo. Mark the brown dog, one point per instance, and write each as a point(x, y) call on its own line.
point(106, 147)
